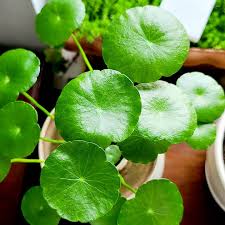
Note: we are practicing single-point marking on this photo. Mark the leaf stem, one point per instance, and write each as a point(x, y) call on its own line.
point(32, 100)
point(52, 140)
point(126, 185)
point(82, 52)
point(20, 160)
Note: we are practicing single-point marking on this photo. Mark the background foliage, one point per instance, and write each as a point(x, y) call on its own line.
point(100, 13)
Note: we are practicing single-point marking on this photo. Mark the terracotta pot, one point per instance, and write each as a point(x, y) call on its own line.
point(134, 174)
point(212, 57)
point(196, 57)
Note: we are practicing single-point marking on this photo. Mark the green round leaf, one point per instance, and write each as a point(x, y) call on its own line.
point(157, 202)
point(113, 154)
point(79, 183)
point(99, 106)
point(19, 131)
point(167, 117)
point(206, 95)
point(146, 43)
point(112, 217)
point(4, 168)
point(35, 209)
point(166, 113)
point(203, 137)
point(139, 148)
point(19, 69)
point(58, 19)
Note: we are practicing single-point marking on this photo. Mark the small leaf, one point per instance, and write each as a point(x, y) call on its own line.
point(4, 168)
point(203, 137)
point(113, 154)
point(58, 19)
point(157, 202)
point(99, 106)
point(206, 95)
point(35, 209)
point(79, 183)
point(19, 69)
point(19, 131)
point(112, 217)
point(145, 43)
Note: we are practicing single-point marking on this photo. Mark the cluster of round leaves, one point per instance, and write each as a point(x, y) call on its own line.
point(19, 69)
point(208, 99)
point(100, 107)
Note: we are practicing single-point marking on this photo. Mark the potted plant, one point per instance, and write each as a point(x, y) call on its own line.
point(126, 106)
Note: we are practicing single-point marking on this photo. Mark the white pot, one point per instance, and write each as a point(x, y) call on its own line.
point(17, 22)
point(215, 169)
point(135, 174)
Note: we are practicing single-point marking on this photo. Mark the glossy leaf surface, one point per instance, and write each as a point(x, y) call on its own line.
point(35, 209)
point(79, 183)
point(19, 69)
point(19, 131)
point(206, 95)
point(113, 154)
point(58, 19)
point(167, 117)
point(145, 43)
point(112, 217)
point(157, 202)
point(139, 148)
point(203, 137)
point(99, 106)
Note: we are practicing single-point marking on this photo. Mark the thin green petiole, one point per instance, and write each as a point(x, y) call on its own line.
point(52, 140)
point(18, 160)
point(126, 185)
point(32, 100)
point(82, 52)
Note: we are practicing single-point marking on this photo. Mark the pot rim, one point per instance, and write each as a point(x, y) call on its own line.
point(219, 151)
point(158, 164)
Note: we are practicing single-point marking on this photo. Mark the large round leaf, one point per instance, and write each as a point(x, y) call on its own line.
point(36, 210)
point(205, 93)
point(167, 117)
point(112, 217)
point(19, 131)
point(99, 106)
point(79, 183)
point(203, 137)
point(19, 69)
point(157, 202)
point(4, 168)
point(166, 113)
point(146, 43)
point(58, 19)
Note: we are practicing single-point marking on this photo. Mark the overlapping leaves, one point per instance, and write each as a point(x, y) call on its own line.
point(167, 117)
point(99, 106)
